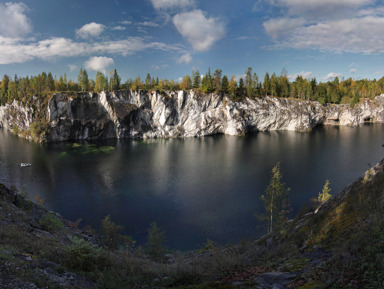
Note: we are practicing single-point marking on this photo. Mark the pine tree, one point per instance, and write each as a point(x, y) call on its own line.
point(115, 80)
point(276, 201)
point(232, 87)
point(249, 85)
point(196, 79)
point(224, 84)
point(83, 80)
point(267, 84)
point(217, 80)
point(156, 240)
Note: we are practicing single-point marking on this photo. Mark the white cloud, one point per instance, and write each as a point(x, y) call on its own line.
point(353, 70)
point(172, 4)
point(159, 67)
point(332, 75)
point(319, 9)
point(13, 21)
point(303, 74)
point(185, 58)
point(282, 26)
point(16, 51)
point(126, 22)
point(90, 30)
point(200, 31)
point(119, 28)
point(148, 24)
point(344, 28)
point(98, 63)
point(346, 35)
point(72, 67)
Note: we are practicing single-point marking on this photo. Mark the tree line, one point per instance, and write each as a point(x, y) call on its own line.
point(347, 91)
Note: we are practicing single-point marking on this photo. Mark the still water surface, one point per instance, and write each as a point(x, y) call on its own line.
point(195, 188)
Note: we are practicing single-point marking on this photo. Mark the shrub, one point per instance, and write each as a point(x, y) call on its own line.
point(51, 223)
point(156, 240)
point(82, 255)
point(111, 233)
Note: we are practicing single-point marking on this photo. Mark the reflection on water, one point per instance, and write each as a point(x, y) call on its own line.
point(194, 188)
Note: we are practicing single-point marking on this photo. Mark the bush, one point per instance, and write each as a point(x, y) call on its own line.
point(111, 233)
point(156, 240)
point(82, 255)
point(51, 223)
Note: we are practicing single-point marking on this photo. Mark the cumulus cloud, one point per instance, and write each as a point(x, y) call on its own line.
point(13, 21)
point(90, 30)
point(332, 75)
point(172, 4)
point(303, 74)
point(185, 58)
point(200, 31)
point(342, 29)
point(98, 63)
point(353, 70)
point(13, 51)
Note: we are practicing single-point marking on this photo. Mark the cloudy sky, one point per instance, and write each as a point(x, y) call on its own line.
point(170, 38)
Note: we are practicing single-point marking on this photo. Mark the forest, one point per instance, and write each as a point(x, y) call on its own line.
point(344, 91)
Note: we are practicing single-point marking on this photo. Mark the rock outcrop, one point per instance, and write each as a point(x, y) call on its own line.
point(15, 117)
point(142, 114)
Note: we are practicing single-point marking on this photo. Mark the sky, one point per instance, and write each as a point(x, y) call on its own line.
point(171, 38)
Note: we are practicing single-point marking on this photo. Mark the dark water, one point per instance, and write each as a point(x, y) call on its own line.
point(195, 188)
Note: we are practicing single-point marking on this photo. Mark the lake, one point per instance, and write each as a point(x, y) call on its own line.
point(194, 188)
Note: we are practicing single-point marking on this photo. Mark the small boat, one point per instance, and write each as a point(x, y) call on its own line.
point(25, 164)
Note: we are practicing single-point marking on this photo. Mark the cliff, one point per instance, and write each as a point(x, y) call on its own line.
point(142, 114)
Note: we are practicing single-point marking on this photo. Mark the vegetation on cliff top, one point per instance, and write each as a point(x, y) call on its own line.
point(336, 91)
point(340, 245)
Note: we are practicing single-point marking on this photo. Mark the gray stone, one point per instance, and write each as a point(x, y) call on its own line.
point(142, 114)
point(275, 280)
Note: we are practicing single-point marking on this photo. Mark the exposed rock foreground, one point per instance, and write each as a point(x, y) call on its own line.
point(142, 114)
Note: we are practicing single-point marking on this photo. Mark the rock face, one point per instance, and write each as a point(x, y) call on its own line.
point(141, 114)
point(15, 117)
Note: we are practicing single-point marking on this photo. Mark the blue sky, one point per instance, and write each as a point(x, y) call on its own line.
point(170, 38)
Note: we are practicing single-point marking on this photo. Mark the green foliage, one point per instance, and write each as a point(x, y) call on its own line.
point(51, 223)
point(83, 80)
point(115, 80)
point(82, 255)
point(324, 195)
point(276, 202)
point(336, 91)
point(38, 128)
point(111, 233)
point(155, 242)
